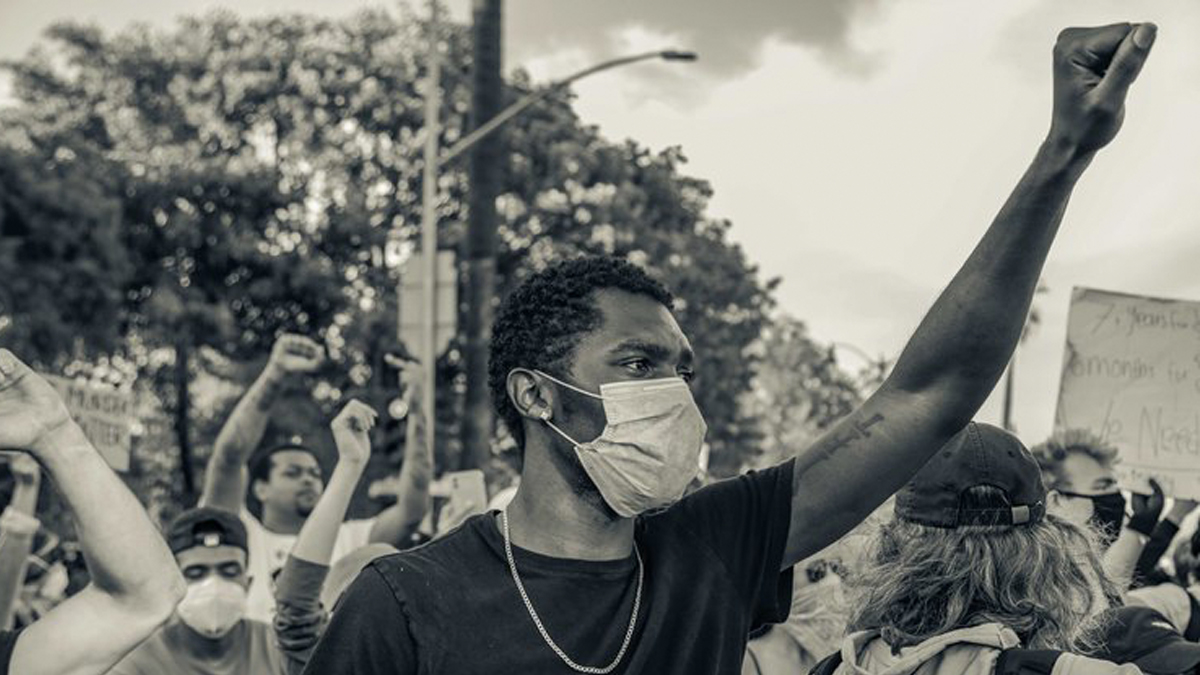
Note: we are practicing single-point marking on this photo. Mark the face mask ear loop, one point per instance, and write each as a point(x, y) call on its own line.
point(569, 386)
point(560, 432)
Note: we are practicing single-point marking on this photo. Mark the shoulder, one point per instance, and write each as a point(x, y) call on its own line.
point(454, 557)
point(254, 527)
point(1172, 601)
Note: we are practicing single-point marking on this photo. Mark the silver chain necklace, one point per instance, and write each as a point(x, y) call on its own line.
point(637, 601)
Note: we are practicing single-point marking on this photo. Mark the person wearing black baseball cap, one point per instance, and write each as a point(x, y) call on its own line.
point(971, 568)
point(209, 634)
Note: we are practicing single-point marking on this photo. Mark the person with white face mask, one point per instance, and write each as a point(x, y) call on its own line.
point(209, 634)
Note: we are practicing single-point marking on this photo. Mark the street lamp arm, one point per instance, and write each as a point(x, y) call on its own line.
point(468, 141)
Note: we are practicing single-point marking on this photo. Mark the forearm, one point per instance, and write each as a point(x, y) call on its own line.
point(1160, 540)
point(412, 497)
point(966, 339)
point(1121, 558)
point(14, 558)
point(944, 374)
point(127, 557)
point(319, 534)
point(18, 527)
point(240, 435)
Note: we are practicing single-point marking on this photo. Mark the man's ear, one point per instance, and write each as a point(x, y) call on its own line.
point(528, 394)
point(1053, 499)
point(259, 488)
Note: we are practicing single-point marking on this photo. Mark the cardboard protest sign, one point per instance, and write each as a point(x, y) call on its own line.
point(105, 415)
point(1131, 374)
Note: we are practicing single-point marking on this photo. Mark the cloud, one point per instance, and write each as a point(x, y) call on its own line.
point(727, 35)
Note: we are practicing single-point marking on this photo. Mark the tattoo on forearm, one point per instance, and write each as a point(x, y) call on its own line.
point(856, 430)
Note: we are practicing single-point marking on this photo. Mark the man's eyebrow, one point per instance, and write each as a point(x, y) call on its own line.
point(654, 350)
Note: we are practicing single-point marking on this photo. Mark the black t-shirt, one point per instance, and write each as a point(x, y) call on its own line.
point(712, 573)
point(8, 641)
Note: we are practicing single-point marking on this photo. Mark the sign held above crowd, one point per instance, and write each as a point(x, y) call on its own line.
point(1131, 374)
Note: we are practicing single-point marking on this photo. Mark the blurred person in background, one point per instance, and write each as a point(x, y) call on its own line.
point(814, 627)
point(18, 525)
point(209, 634)
point(301, 614)
point(135, 583)
point(597, 565)
point(1177, 600)
point(972, 577)
point(1078, 468)
point(287, 479)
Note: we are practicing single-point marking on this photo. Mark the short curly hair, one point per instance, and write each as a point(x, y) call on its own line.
point(1053, 452)
point(541, 323)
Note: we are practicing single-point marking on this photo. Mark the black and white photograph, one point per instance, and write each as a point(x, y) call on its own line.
point(542, 337)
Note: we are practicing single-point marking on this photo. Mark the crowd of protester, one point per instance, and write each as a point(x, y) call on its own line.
point(907, 540)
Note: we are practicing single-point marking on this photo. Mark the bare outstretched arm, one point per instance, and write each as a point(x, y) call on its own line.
point(394, 524)
point(226, 475)
point(135, 581)
point(960, 349)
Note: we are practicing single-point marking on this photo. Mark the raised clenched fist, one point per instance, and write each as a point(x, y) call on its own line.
point(352, 432)
point(1093, 69)
point(296, 354)
point(31, 411)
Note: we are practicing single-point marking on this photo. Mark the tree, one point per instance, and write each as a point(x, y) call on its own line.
point(799, 390)
point(251, 176)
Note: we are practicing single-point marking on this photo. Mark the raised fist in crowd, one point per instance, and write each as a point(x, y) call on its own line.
point(31, 411)
point(296, 354)
point(1093, 69)
point(352, 432)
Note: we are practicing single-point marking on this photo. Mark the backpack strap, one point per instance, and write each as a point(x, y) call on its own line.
point(827, 665)
point(1018, 661)
point(1192, 632)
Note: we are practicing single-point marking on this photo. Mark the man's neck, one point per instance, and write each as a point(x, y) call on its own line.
point(547, 516)
point(199, 647)
point(282, 521)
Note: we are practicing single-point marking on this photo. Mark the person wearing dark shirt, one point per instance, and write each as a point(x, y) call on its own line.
point(135, 583)
point(596, 565)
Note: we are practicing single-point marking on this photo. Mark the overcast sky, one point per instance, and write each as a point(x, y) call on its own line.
point(860, 147)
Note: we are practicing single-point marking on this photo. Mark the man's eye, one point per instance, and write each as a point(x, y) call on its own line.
point(640, 366)
point(193, 573)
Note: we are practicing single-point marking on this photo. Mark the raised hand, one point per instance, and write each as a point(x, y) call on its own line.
point(31, 411)
point(1093, 69)
point(352, 432)
point(1147, 509)
point(412, 375)
point(296, 354)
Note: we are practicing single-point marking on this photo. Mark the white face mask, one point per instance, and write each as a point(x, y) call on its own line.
point(213, 607)
point(649, 450)
point(818, 616)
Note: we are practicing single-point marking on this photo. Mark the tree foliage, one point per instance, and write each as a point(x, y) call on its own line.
point(198, 189)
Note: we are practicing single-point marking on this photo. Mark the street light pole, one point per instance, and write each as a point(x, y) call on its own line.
point(432, 165)
point(519, 106)
point(429, 193)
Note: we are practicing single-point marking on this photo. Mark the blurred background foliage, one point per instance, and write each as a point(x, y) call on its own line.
point(171, 199)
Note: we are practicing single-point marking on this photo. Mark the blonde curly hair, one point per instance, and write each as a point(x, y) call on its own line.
point(1045, 581)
